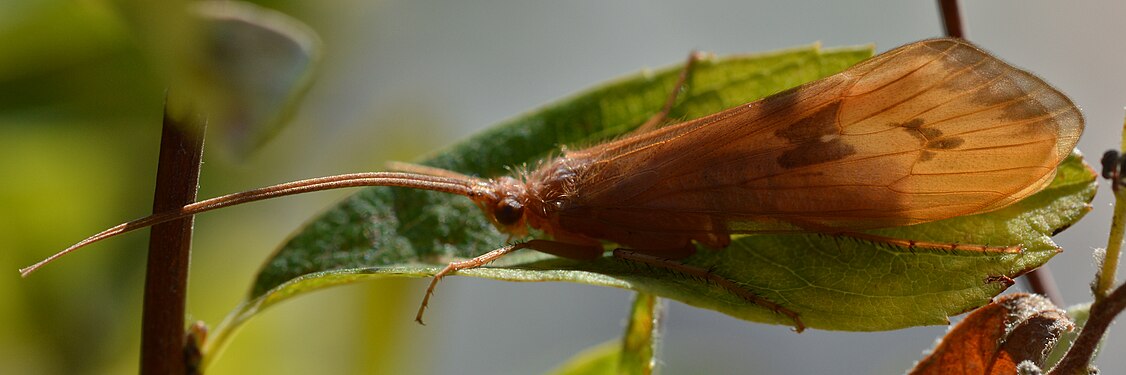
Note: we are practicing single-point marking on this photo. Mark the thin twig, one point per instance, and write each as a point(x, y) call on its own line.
point(1040, 281)
point(166, 278)
point(1078, 357)
point(951, 18)
point(1107, 274)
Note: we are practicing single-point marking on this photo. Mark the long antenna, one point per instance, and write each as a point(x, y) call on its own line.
point(461, 186)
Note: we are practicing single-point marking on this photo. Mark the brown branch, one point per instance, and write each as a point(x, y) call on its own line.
point(166, 278)
point(1040, 281)
point(1103, 311)
point(951, 18)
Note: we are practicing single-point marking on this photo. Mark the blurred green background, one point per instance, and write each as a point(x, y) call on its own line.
point(81, 91)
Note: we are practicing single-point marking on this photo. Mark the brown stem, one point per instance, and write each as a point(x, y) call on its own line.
point(951, 18)
point(1103, 311)
point(1040, 281)
point(166, 278)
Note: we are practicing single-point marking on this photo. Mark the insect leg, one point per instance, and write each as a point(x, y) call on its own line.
point(706, 274)
point(479, 261)
point(659, 119)
point(567, 250)
point(563, 249)
point(949, 246)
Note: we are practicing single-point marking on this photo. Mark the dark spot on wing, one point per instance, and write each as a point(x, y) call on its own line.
point(926, 136)
point(946, 143)
point(926, 155)
point(813, 127)
point(913, 124)
point(816, 139)
point(931, 138)
point(815, 154)
point(1024, 108)
point(1020, 94)
point(930, 133)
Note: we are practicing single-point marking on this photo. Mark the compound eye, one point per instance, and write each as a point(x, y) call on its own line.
point(508, 212)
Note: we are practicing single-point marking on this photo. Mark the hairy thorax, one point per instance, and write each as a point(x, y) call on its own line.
point(551, 189)
point(558, 203)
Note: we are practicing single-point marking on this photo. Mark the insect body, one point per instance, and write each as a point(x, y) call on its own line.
point(928, 131)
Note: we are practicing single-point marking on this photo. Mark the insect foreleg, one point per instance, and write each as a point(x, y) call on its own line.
point(479, 261)
point(566, 250)
point(707, 275)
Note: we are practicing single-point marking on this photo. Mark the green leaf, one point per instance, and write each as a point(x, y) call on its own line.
point(640, 341)
point(254, 65)
point(631, 355)
point(834, 283)
point(245, 66)
point(80, 67)
point(601, 359)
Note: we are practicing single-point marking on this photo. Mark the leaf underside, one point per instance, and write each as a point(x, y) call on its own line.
point(834, 283)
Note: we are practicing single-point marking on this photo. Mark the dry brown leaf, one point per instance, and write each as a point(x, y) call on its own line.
point(997, 337)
